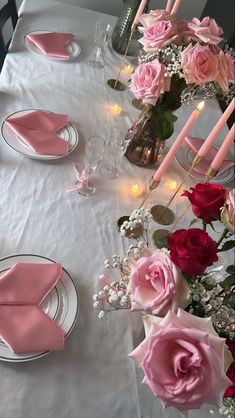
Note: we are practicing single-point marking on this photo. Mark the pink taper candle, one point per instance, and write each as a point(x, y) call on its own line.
point(139, 12)
point(175, 7)
point(215, 131)
point(223, 150)
point(180, 138)
point(168, 6)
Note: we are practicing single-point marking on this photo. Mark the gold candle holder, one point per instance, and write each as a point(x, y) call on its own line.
point(165, 208)
point(116, 84)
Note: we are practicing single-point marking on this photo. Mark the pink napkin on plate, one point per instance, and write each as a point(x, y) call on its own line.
point(38, 128)
point(52, 43)
point(202, 167)
point(27, 329)
point(24, 327)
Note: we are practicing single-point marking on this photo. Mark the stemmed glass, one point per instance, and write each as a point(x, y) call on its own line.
point(113, 145)
point(94, 150)
point(98, 39)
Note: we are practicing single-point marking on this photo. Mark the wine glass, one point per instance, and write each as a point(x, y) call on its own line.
point(94, 150)
point(98, 39)
point(113, 144)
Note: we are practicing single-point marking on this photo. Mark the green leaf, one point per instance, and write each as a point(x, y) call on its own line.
point(228, 282)
point(212, 226)
point(228, 245)
point(193, 222)
point(161, 242)
point(229, 301)
point(164, 128)
point(231, 269)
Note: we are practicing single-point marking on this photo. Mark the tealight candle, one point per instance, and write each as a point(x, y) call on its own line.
point(171, 184)
point(128, 69)
point(116, 110)
point(136, 190)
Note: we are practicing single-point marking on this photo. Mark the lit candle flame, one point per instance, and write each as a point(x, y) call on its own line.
point(200, 106)
point(128, 69)
point(136, 190)
point(116, 110)
point(171, 184)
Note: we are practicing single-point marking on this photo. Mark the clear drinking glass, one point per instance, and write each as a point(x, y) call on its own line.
point(98, 39)
point(94, 150)
point(113, 147)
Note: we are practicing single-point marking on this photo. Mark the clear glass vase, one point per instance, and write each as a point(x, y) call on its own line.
point(143, 148)
point(122, 30)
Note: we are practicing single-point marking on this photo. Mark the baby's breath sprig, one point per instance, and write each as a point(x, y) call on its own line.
point(114, 295)
point(138, 219)
point(226, 408)
point(208, 299)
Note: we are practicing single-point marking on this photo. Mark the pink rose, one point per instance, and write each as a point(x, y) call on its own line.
point(148, 19)
point(184, 31)
point(184, 360)
point(200, 64)
point(148, 82)
point(206, 30)
point(226, 70)
point(156, 285)
point(158, 35)
point(228, 211)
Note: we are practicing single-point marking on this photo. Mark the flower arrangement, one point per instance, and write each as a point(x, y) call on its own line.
point(187, 354)
point(180, 60)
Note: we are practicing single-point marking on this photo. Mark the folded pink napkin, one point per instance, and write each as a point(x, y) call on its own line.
point(37, 129)
point(202, 167)
point(24, 327)
point(27, 329)
point(53, 44)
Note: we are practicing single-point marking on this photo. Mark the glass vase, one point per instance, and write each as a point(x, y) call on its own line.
point(122, 30)
point(143, 148)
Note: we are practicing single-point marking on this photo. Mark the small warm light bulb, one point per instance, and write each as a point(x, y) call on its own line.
point(200, 106)
point(136, 190)
point(171, 184)
point(116, 110)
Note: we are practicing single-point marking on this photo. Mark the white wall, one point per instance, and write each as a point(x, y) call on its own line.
point(188, 9)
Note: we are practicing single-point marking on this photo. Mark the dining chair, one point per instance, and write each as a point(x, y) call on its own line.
point(7, 11)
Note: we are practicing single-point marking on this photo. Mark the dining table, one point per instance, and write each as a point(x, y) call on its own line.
point(93, 377)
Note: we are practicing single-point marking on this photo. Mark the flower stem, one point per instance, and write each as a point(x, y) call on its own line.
point(204, 225)
point(223, 235)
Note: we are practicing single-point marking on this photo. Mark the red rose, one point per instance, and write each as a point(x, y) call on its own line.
point(207, 200)
point(230, 392)
point(192, 250)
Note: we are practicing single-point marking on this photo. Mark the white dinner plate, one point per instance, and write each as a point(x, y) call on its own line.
point(61, 304)
point(72, 47)
point(69, 133)
point(184, 158)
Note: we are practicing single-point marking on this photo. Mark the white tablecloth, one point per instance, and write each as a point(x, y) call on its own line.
point(93, 377)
